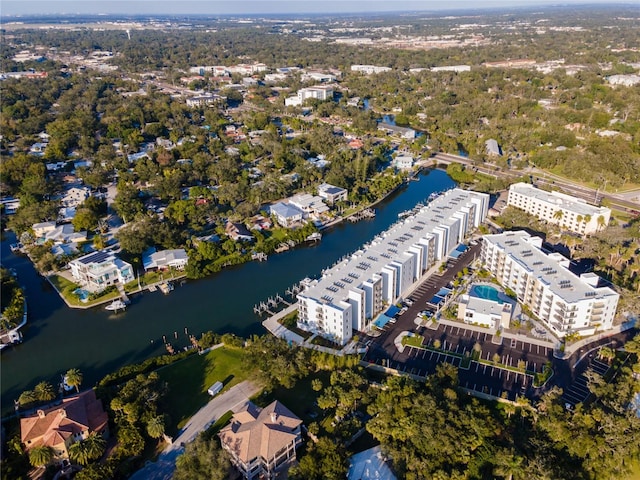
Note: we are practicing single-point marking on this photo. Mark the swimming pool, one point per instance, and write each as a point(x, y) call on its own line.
point(487, 292)
point(82, 294)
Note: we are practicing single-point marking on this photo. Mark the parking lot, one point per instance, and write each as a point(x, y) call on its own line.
point(456, 339)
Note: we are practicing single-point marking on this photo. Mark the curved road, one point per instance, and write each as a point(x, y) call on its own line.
point(235, 398)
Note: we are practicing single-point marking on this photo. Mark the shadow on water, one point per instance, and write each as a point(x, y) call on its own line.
point(97, 342)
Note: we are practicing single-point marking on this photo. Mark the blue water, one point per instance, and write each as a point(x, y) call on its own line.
point(486, 292)
point(98, 342)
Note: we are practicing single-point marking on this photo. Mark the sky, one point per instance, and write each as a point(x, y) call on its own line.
point(47, 7)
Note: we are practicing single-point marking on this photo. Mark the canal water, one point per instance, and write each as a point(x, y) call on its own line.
point(97, 341)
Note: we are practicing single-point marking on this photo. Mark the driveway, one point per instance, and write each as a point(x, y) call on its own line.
point(233, 399)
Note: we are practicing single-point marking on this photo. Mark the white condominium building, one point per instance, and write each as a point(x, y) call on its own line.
point(369, 69)
point(355, 290)
point(569, 212)
point(565, 302)
point(319, 92)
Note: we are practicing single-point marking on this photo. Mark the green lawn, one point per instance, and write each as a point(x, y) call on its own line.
point(66, 288)
point(414, 341)
point(196, 374)
point(290, 323)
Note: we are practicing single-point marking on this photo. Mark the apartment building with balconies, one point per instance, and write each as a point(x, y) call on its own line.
point(570, 213)
point(565, 302)
point(354, 291)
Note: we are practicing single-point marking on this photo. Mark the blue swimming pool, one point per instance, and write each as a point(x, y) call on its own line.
point(487, 292)
point(82, 294)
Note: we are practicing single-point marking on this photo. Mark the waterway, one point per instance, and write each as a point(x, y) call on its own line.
point(97, 342)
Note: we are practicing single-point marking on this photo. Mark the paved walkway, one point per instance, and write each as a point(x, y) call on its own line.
point(272, 324)
point(235, 398)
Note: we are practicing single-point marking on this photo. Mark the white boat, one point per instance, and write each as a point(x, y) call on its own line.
point(116, 305)
point(314, 237)
point(166, 287)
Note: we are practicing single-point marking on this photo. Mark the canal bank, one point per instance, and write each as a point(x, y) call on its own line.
point(97, 342)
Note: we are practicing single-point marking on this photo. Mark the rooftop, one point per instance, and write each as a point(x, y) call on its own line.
point(255, 432)
point(520, 246)
point(557, 199)
point(388, 246)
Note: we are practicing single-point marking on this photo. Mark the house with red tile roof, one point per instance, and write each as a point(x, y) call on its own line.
point(61, 426)
point(262, 442)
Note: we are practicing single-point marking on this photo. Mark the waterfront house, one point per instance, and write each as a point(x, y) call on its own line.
point(286, 215)
point(331, 194)
point(260, 223)
point(61, 426)
point(312, 205)
point(403, 162)
point(262, 442)
point(165, 259)
point(100, 269)
point(65, 234)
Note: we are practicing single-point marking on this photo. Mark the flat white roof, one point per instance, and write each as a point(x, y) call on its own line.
point(560, 280)
point(484, 306)
point(389, 246)
point(558, 200)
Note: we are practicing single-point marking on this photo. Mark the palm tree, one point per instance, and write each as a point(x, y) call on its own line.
point(155, 427)
point(27, 397)
point(558, 215)
point(79, 453)
point(40, 456)
point(601, 222)
point(44, 392)
point(607, 354)
point(73, 377)
point(508, 465)
point(95, 445)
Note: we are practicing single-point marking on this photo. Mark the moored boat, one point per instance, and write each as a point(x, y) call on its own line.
point(116, 305)
point(166, 287)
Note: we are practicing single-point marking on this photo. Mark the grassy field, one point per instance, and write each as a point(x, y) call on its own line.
point(195, 375)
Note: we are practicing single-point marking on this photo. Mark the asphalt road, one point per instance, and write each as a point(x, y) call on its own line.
point(233, 400)
point(592, 195)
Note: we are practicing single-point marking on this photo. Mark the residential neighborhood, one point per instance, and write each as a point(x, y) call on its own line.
point(320, 241)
